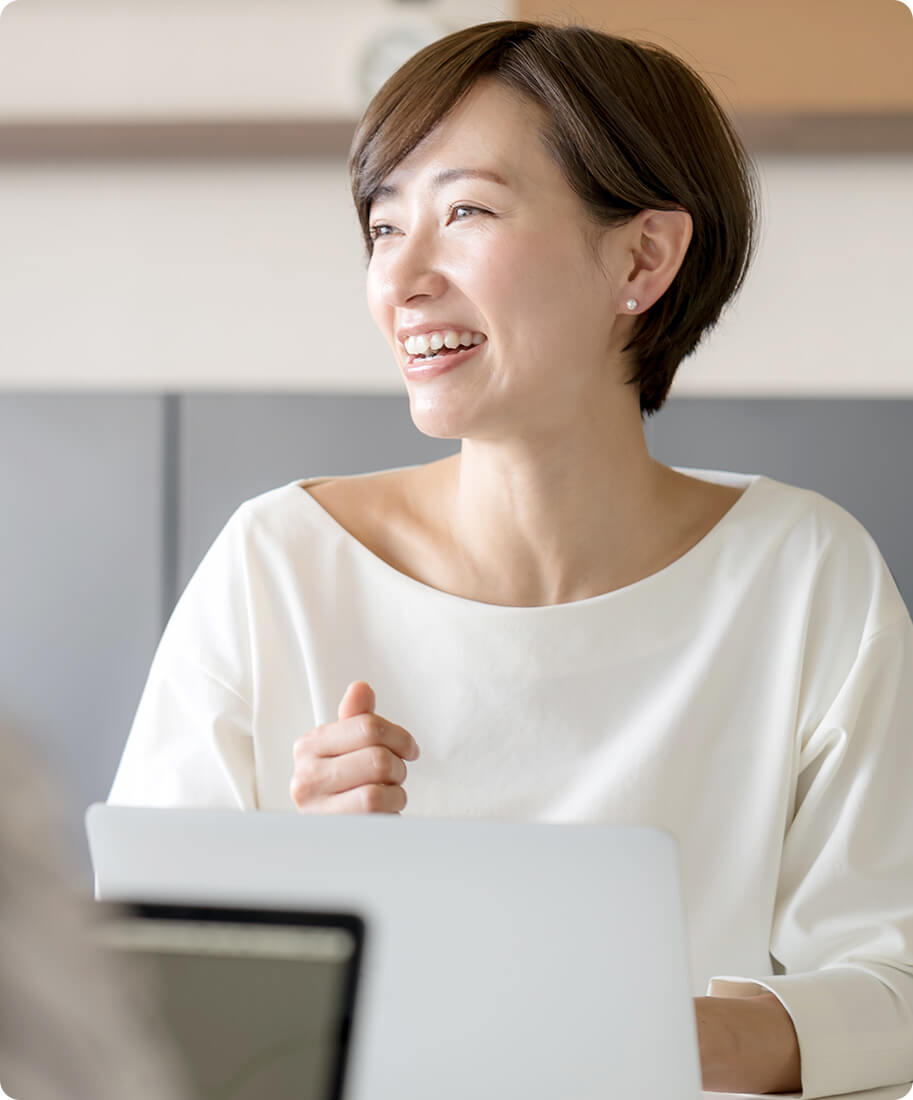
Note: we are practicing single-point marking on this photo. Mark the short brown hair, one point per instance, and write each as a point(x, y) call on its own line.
point(631, 126)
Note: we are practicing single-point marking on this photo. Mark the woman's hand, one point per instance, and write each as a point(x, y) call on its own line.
point(747, 1044)
point(355, 765)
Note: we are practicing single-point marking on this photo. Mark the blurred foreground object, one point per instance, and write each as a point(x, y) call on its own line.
point(74, 1024)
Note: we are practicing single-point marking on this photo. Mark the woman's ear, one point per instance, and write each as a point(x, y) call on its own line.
point(655, 245)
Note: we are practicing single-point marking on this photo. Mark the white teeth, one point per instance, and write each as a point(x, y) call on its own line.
point(434, 341)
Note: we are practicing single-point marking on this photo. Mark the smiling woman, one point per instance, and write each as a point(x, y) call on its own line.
point(635, 129)
point(560, 628)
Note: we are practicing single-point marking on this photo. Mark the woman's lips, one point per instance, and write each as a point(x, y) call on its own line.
point(420, 369)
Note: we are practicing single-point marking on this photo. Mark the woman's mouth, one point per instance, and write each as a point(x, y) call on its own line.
point(419, 368)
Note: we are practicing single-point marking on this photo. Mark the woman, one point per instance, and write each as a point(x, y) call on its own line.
point(570, 630)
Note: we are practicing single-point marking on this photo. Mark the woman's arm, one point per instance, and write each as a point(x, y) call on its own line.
point(191, 741)
point(842, 925)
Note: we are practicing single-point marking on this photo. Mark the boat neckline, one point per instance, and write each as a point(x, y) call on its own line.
point(749, 482)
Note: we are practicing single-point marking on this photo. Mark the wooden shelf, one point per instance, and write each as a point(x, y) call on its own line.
point(199, 139)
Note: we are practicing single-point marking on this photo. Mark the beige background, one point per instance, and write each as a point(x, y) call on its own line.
point(774, 55)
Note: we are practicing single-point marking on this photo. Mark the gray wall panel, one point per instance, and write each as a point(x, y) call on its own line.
point(857, 453)
point(80, 567)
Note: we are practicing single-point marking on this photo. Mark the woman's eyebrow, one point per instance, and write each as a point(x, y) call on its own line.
point(442, 178)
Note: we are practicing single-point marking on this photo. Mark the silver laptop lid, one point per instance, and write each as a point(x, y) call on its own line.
point(541, 960)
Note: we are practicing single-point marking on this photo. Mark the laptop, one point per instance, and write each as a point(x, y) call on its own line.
point(503, 959)
point(254, 1002)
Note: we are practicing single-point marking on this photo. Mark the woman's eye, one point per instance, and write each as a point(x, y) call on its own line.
point(375, 233)
point(463, 206)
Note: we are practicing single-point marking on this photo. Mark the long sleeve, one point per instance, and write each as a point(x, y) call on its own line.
point(843, 921)
point(191, 741)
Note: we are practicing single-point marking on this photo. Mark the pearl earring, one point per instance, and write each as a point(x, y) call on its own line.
point(631, 303)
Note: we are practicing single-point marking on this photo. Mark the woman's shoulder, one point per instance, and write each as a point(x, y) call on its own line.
point(382, 511)
point(814, 536)
point(376, 491)
point(810, 515)
point(779, 516)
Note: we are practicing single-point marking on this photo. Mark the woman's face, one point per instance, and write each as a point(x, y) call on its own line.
point(510, 262)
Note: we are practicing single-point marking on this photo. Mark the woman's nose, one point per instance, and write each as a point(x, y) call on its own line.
point(408, 270)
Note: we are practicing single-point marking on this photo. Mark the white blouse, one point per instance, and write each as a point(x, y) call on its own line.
point(755, 698)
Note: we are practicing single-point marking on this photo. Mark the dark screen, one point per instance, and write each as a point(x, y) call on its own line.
point(258, 1005)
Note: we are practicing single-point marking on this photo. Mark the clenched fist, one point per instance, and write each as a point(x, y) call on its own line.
point(355, 765)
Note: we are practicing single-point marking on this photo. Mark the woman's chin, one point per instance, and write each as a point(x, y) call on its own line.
point(437, 417)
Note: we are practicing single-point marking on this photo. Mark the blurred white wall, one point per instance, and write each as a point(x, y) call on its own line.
point(97, 59)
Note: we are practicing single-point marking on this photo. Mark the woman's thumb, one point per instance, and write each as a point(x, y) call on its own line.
point(358, 699)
